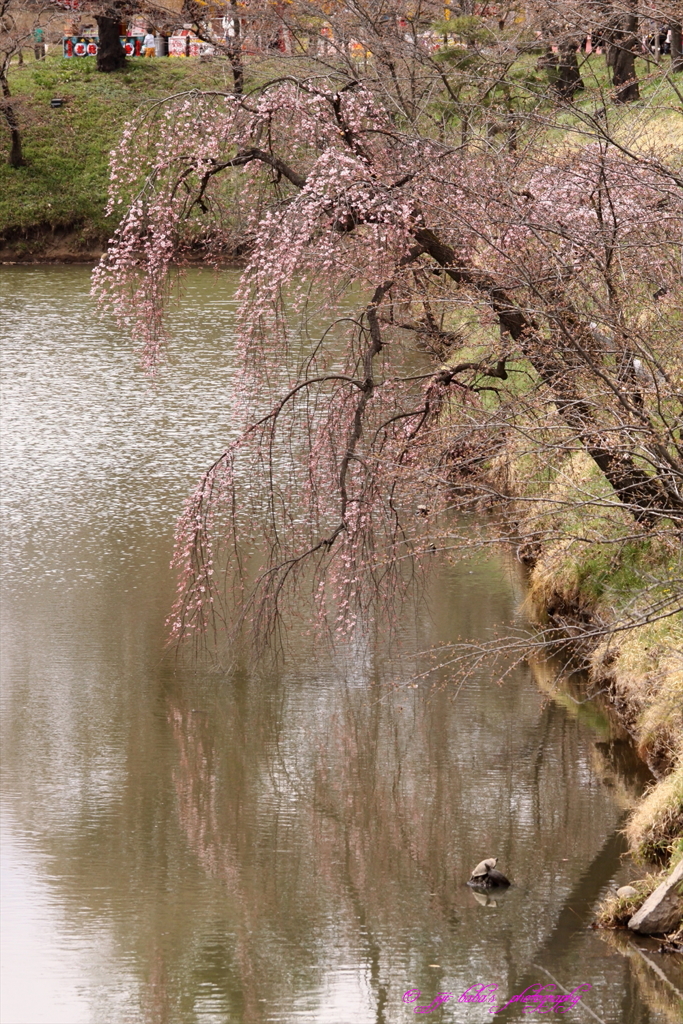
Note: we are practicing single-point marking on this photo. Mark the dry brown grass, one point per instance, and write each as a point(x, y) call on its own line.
point(616, 911)
point(646, 668)
point(655, 829)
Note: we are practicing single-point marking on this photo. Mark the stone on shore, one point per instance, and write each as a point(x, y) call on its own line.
point(662, 911)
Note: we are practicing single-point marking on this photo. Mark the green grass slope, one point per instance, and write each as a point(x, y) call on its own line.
point(62, 190)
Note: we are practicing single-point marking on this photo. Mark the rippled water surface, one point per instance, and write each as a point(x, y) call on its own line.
point(183, 845)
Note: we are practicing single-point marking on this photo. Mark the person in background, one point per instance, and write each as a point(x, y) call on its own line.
point(148, 45)
point(39, 43)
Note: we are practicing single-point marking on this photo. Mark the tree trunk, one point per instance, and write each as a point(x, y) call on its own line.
point(235, 53)
point(623, 43)
point(624, 69)
point(110, 54)
point(610, 50)
point(646, 496)
point(676, 48)
point(568, 79)
point(16, 157)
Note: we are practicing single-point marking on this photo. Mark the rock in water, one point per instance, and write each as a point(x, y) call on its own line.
point(662, 911)
point(496, 880)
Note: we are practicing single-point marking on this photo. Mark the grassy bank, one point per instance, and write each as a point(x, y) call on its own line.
point(54, 206)
point(598, 578)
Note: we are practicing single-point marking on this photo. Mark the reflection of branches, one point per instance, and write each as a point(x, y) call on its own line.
point(568, 638)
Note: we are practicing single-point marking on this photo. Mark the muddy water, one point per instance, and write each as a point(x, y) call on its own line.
point(183, 845)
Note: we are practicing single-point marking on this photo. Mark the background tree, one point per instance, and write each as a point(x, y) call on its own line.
point(622, 36)
point(110, 54)
point(11, 40)
point(676, 46)
point(109, 15)
point(18, 21)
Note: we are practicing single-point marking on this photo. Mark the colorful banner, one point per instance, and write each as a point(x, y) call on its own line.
point(178, 46)
point(80, 46)
point(132, 45)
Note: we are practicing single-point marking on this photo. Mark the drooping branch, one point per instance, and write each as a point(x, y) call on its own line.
point(530, 245)
point(254, 153)
point(372, 349)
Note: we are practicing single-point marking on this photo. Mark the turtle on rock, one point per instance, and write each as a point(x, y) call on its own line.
point(486, 876)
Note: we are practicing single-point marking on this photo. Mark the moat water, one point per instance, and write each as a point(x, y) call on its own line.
point(186, 845)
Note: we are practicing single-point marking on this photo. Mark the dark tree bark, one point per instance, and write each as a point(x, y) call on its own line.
point(624, 74)
point(621, 58)
point(235, 53)
point(16, 156)
point(568, 79)
point(110, 54)
point(676, 48)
